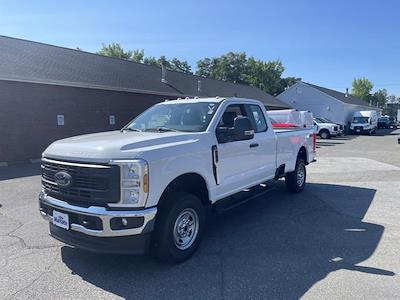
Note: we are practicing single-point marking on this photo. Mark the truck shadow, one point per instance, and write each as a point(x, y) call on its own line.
point(276, 246)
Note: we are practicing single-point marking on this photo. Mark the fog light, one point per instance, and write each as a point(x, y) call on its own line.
point(124, 221)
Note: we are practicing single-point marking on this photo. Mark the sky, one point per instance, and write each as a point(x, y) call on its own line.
point(328, 43)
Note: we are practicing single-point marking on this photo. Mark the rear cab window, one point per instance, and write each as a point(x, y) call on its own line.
point(257, 117)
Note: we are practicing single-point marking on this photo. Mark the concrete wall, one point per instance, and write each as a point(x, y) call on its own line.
point(28, 115)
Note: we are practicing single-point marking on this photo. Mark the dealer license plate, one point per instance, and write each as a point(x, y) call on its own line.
point(60, 219)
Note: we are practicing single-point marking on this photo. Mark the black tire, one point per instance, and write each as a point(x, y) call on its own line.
point(325, 134)
point(292, 184)
point(164, 241)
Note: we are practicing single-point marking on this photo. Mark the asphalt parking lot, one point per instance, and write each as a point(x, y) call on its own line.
point(340, 238)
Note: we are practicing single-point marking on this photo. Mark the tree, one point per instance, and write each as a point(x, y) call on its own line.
point(137, 56)
point(228, 67)
point(180, 66)
point(288, 82)
point(361, 88)
point(393, 99)
point(151, 60)
point(237, 68)
point(204, 67)
point(379, 98)
point(265, 75)
point(173, 64)
point(115, 50)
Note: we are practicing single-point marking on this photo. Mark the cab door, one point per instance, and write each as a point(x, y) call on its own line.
point(240, 163)
point(264, 144)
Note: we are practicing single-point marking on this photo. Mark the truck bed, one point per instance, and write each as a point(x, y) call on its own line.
point(289, 141)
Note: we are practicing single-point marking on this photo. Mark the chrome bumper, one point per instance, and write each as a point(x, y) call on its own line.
point(102, 213)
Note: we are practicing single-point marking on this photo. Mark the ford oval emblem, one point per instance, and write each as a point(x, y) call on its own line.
point(63, 179)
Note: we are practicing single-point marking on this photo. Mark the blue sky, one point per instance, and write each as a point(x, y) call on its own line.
point(324, 42)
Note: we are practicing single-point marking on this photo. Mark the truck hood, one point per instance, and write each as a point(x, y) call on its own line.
point(105, 146)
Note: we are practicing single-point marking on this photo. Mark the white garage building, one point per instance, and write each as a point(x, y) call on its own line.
point(322, 102)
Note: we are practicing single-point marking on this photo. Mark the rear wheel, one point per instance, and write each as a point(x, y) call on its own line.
point(296, 180)
point(179, 227)
point(325, 134)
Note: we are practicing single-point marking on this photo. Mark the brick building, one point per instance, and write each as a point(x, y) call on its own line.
point(49, 92)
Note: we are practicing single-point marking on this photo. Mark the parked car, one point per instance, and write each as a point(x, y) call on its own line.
point(148, 185)
point(341, 126)
point(392, 122)
point(364, 122)
point(325, 129)
point(383, 122)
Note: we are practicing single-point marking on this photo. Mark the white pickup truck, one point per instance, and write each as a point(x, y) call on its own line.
point(147, 186)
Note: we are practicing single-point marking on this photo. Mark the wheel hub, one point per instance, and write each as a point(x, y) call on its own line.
point(300, 175)
point(186, 228)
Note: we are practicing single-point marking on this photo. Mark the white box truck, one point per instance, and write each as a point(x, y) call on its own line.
point(364, 122)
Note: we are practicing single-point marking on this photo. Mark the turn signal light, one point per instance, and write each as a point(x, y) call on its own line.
point(146, 183)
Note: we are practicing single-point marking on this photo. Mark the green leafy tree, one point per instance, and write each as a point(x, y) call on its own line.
point(288, 82)
point(204, 68)
point(379, 98)
point(137, 56)
point(237, 68)
point(265, 75)
point(151, 60)
point(361, 88)
point(228, 67)
point(115, 50)
point(173, 64)
point(180, 66)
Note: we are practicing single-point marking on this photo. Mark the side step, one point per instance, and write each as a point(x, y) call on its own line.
point(242, 197)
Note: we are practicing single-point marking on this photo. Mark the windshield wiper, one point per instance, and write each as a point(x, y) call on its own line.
point(130, 129)
point(162, 129)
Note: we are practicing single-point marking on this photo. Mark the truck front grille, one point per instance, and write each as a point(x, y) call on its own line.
point(90, 184)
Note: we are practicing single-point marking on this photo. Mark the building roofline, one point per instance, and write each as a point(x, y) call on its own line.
point(125, 60)
point(114, 89)
point(92, 86)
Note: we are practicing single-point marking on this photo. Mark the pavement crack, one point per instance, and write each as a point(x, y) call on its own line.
point(47, 269)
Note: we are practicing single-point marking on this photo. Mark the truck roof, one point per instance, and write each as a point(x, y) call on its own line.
point(210, 99)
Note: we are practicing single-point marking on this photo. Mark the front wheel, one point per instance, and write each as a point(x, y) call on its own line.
point(179, 227)
point(296, 180)
point(325, 134)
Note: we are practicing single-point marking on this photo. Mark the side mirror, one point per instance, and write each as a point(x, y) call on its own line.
point(243, 130)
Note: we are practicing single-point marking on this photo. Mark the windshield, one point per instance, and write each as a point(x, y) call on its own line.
point(327, 120)
point(320, 120)
point(187, 117)
point(360, 120)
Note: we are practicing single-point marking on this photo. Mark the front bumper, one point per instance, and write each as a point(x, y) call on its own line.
point(96, 228)
point(359, 130)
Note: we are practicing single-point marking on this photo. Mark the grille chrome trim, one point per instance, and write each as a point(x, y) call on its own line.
point(92, 184)
point(74, 164)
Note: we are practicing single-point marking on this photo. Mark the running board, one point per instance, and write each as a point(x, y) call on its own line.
point(242, 197)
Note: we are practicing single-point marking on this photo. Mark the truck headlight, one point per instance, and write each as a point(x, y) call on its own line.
point(134, 183)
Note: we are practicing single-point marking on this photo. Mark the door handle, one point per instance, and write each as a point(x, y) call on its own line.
point(253, 145)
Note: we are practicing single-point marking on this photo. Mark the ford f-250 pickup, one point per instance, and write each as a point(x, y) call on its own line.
point(147, 186)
